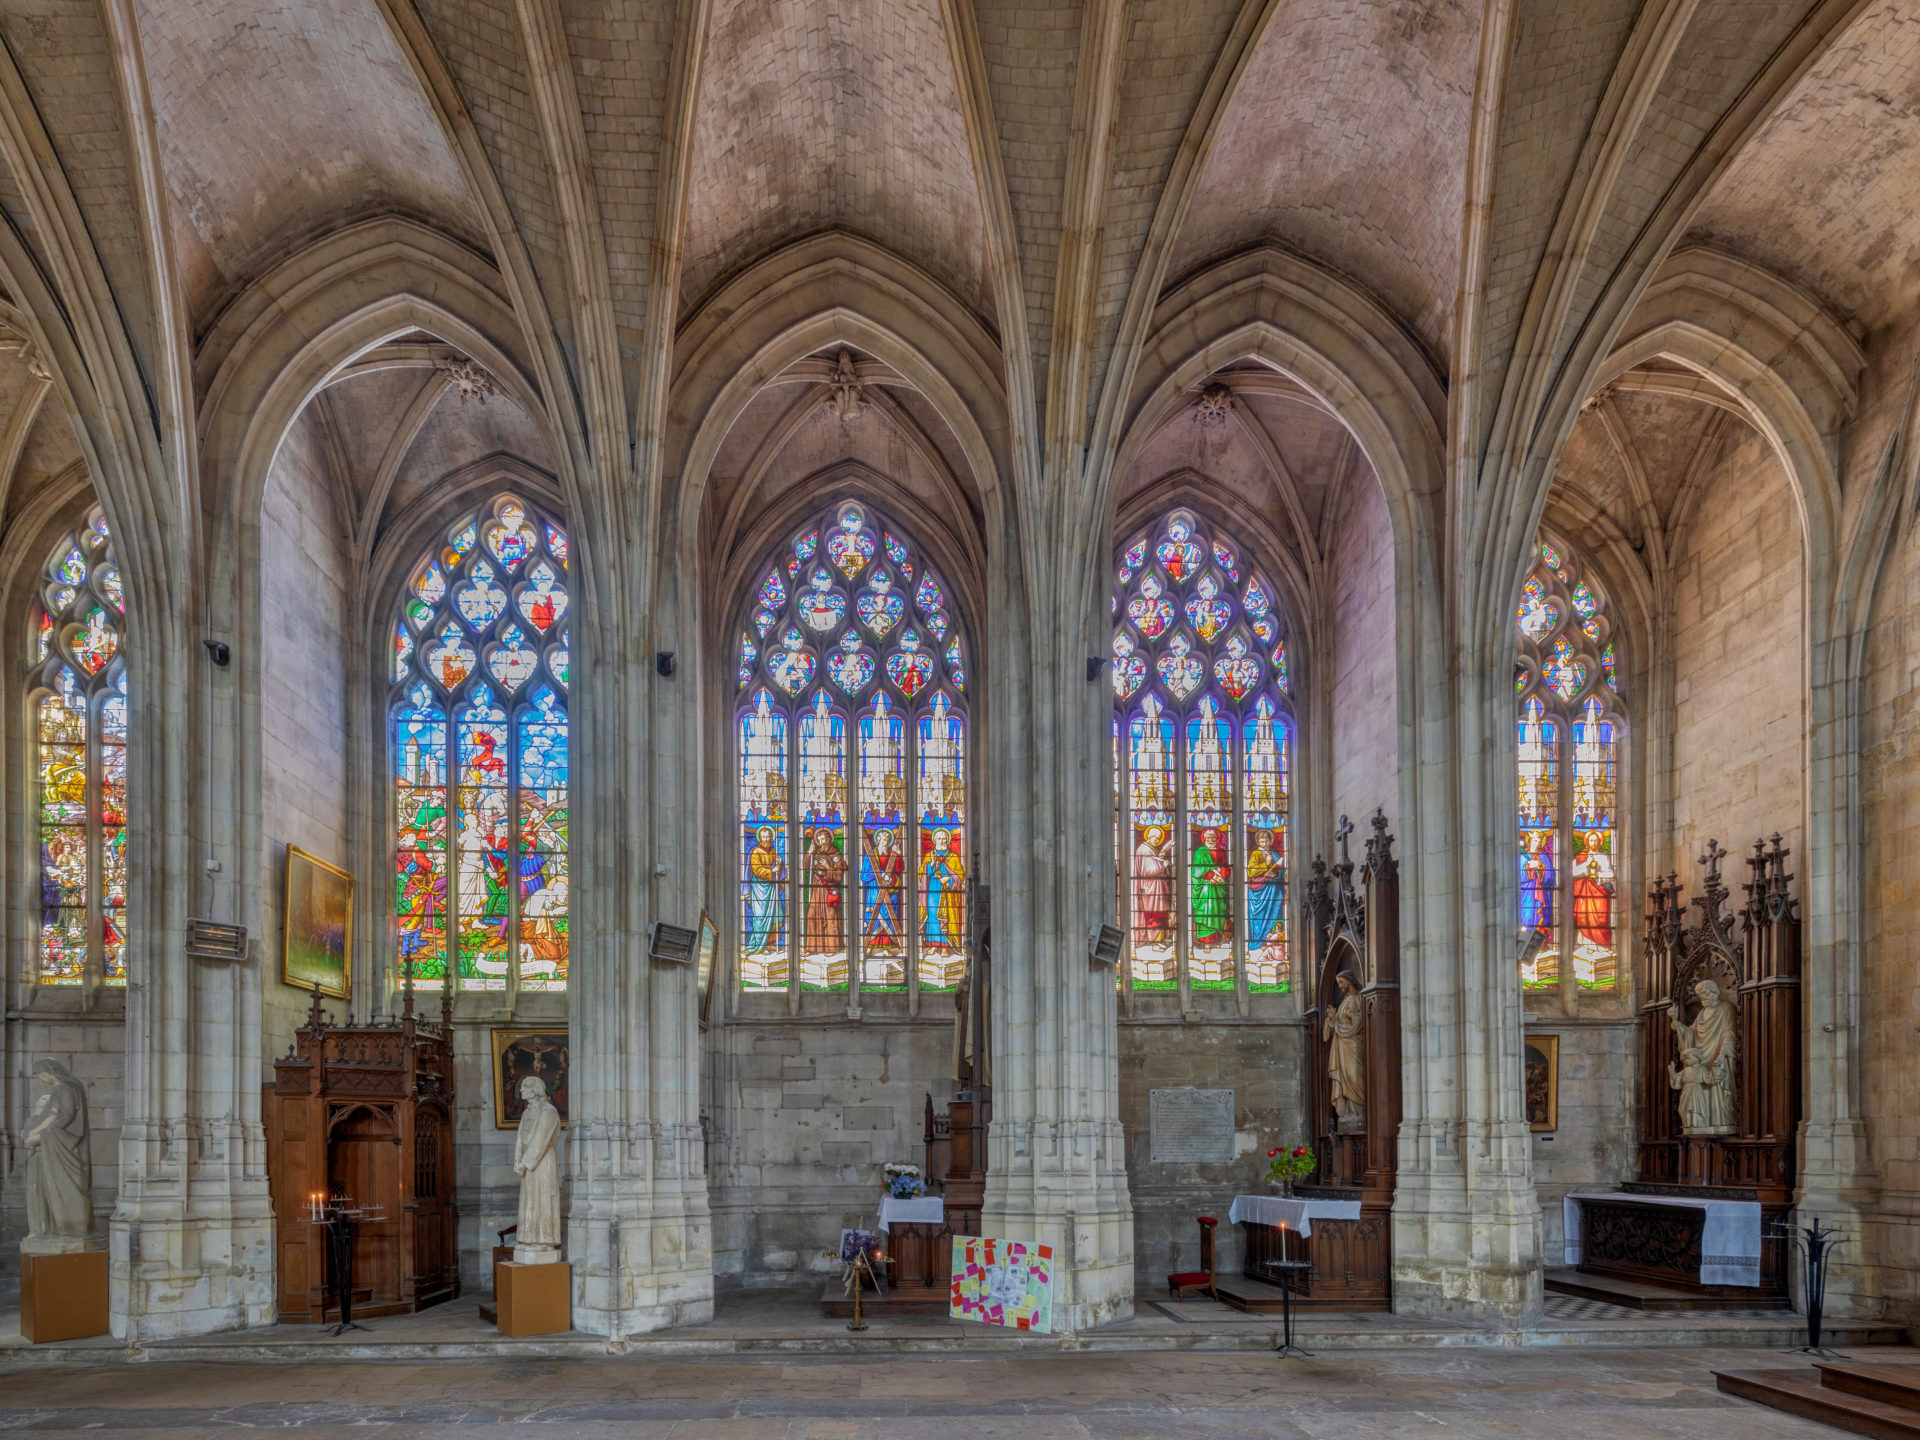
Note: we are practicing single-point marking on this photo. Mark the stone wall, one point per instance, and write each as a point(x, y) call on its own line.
point(1591, 1147)
point(806, 1114)
point(1739, 756)
point(1366, 732)
point(1264, 1065)
point(304, 610)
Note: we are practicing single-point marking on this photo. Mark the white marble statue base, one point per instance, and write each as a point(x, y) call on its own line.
point(536, 1254)
point(63, 1244)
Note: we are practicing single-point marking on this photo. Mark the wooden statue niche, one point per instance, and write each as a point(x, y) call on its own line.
point(1720, 1044)
point(365, 1112)
point(1353, 1070)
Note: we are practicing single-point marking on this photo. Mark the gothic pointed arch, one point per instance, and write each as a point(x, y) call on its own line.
point(1571, 734)
point(77, 695)
point(1203, 724)
point(851, 683)
point(478, 674)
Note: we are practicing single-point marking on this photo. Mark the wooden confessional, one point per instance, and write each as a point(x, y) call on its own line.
point(365, 1112)
point(1353, 929)
point(1758, 969)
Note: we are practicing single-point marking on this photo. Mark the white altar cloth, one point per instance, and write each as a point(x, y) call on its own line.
point(1729, 1246)
point(920, 1210)
point(1290, 1212)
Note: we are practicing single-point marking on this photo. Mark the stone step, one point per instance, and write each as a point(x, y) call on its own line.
point(1646, 1295)
point(1889, 1384)
point(1799, 1392)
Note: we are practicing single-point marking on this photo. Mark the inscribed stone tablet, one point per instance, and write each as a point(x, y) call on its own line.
point(1190, 1127)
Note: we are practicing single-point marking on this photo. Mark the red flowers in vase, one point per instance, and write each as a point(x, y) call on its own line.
point(1286, 1164)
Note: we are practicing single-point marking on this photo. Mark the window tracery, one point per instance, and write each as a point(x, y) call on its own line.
point(79, 705)
point(1566, 681)
point(852, 796)
point(1201, 730)
point(479, 673)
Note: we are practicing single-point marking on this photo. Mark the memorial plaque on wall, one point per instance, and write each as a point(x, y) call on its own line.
point(1190, 1127)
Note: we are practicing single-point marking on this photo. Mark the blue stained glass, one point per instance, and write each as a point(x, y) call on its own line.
point(772, 593)
point(822, 606)
point(850, 552)
point(749, 652)
point(850, 666)
point(896, 551)
point(1225, 558)
point(1257, 601)
point(880, 606)
point(956, 670)
point(907, 667)
point(792, 664)
point(928, 596)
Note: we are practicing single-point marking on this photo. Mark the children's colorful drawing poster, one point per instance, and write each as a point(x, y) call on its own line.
point(1002, 1282)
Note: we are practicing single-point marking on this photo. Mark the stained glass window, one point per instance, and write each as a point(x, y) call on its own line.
point(850, 667)
point(1201, 730)
point(479, 671)
point(76, 638)
point(1569, 699)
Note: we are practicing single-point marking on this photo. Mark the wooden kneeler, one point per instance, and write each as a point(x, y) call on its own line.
point(1201, 1279)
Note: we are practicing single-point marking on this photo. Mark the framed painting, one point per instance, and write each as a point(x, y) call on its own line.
point(319, 925)
point(706, 948)
point(1543, 1082)
point(518, 1054)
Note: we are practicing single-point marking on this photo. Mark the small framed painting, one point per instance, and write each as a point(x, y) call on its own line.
point(518, 1054)
point(1543, 1082)
point(705, 949)
point(319, 925)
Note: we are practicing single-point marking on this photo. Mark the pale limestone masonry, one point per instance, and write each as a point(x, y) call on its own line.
point(1640, 278)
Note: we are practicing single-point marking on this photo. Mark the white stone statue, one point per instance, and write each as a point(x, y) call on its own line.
point(1704, 1076)
point(59, 1167)
point(1344, 1030)
point(536, 1160)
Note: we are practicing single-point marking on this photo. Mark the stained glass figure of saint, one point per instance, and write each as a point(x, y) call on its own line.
point(849, 613)
point(1567, 679)
point(1198, 661)
point(479, 735)
point(79, 709)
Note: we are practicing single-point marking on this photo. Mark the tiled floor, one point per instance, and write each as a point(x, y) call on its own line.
point(1577, 1394)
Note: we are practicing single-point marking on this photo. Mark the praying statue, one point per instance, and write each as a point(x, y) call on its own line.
point(59, 1167)
point(536, 1160)
point(1343, 1030)
point(1704, 1076)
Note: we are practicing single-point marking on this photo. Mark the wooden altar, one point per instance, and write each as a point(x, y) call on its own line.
point(1754, 956)
point(1352, 929)
point(365, 1111)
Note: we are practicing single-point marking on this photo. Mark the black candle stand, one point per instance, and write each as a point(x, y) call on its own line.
point(342, 1220)
point(1816, 1246)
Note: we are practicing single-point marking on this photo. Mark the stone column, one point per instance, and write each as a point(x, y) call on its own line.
point(1056, 1163)
point(191, 1238)
point(1839, 1182)
point(1466, 1217)
point(639, 1236)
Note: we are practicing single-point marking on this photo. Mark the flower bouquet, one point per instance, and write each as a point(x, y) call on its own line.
point(904, 1182)
point(1285, 1165)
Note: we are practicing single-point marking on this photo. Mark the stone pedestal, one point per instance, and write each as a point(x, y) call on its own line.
point(63, 1296)
point(533, 1299)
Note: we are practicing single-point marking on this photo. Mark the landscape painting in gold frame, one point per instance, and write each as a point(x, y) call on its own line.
point(318, 917)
